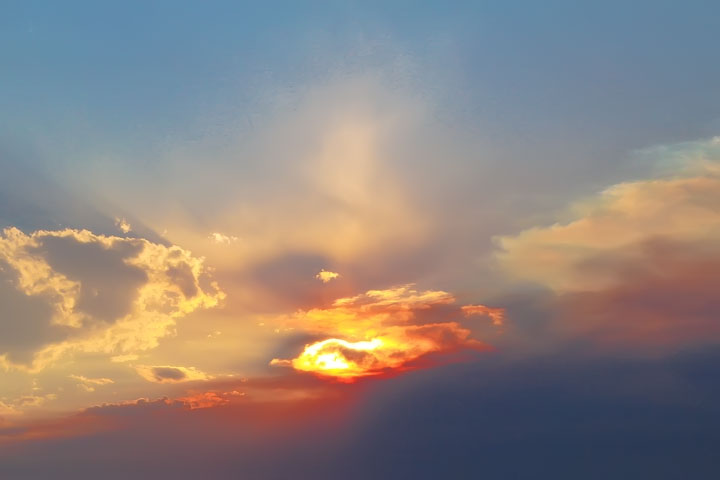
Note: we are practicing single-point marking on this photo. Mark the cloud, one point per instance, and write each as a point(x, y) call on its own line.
point(34, 400)
point(89, 384)
point(122, 224)
point(123, 358)
point(18, 406)
point(209, 399)
point(496, 314)
point(637, 263)
point(170, 374)
point(325, 276)
point(272, 403)
point(221, 238)
point(75, 291)
point(7, 410)
point(377, 332)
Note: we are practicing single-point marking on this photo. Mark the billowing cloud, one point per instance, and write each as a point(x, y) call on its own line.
point(170, 374)
point(75, 291)
point(639, 262)
point(378, 331)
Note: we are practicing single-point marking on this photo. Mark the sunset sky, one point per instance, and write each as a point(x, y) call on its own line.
point(359, 240)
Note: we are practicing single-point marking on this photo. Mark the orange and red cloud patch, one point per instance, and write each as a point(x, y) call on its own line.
point(382, 331)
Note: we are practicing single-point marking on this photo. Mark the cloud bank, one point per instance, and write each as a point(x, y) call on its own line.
point(638, 263)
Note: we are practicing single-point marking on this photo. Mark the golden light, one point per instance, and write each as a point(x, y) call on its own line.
point(378, 331)
point(338, 358)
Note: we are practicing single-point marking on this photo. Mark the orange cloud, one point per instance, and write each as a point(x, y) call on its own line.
point(637, 264)
point(377, 332)
point(610, 226)
point(209, 399)
point(270, 402)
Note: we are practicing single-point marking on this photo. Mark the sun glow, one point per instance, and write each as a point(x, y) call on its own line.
point(379, 331)
point(337, 357)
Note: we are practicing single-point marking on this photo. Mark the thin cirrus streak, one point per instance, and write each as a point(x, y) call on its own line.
point(382, 331)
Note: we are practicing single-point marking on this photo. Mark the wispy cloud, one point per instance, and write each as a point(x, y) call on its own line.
point(89, 384)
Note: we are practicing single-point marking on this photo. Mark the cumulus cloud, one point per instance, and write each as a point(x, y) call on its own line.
point(638, 262)
point(378, 331)
point(170, 374)
point(75, 291)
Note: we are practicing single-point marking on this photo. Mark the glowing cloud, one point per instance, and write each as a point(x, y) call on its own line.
point(209, 399)
point(74, 291)
point(325, 276)
point(377, 332)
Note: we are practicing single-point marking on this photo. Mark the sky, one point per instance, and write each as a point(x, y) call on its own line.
point(398, 239)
